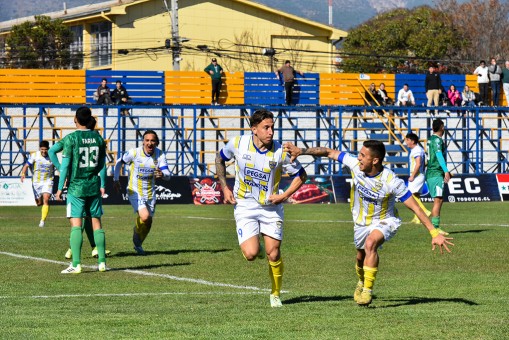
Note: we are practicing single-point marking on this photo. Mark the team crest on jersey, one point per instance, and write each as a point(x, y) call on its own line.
point(272, 164)
point(246, 157)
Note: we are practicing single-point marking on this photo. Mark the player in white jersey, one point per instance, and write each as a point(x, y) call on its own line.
point(42, 179)
point(259, 165)
point(145, 164)
point(376, 220)
point(417, 172)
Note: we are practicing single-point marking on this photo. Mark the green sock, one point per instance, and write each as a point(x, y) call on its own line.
point(87, 225)
point(436, 221)
point(100, 241)
point(76, 241)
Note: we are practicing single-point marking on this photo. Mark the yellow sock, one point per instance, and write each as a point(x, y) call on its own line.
point(45, 211)
point(276, 275)
point(418, 199)
point(369, 277)
point(142, 229)
point(360, 272)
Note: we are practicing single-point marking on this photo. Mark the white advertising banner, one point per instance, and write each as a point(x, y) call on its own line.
point(13, 192)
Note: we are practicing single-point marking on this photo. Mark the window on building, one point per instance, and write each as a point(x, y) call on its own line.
point(101, 44)
point(77, 47)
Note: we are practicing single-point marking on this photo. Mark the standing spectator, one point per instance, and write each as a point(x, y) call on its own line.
point(453, 96)
point(216, 72)
point(289, 79)
point(468, 96)
point(121, 97)
point(505, 81)
point(495, 75)
point(482, 79)
point(382, 93)
point(405, 97)
point(433, 85)
point(103, 94)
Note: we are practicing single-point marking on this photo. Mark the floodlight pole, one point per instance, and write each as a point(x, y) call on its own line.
point(175, 38)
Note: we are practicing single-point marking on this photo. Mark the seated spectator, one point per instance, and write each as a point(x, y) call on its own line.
point(382, 93)
point(453, 96)
point(120, 96)
point(405, 97)
point(469, 97)
point(103, 94)
point(372, 96)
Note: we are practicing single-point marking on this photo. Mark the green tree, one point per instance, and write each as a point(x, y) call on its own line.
point(41, 44)
point(399, 38)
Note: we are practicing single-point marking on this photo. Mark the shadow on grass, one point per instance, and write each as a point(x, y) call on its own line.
point(152, 266)
point(170, 252)
point(312, 298)
point(473, 231)
point(412, 301)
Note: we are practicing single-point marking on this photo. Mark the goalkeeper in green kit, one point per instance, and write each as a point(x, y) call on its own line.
point(83, 156)
point(437, 173)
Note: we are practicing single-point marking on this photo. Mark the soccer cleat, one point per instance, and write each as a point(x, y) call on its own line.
point(415, 220)
point(41, 224)
point(95, 253)
point(72, 270)
point(68, 254)
point(102, 267)
point(365, 298)
point(358, 291)
point(275, 301)
point(139, 250)
point(442, 232)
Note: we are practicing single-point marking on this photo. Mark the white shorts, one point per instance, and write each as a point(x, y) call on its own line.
point(388, 227)
point(42, 188)
point(415, 187)
point(138, 203)
point(253, 219)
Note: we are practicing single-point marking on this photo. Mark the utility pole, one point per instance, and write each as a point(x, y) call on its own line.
point(175, 38)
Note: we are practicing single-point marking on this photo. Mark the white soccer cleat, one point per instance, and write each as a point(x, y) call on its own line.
point(68, 254)
point(102, 267)
point(72, 270)
point(139, 250)
point(41, 224)
point(275, 301)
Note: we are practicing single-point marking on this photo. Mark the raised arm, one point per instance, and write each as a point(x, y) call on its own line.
point(316, 152)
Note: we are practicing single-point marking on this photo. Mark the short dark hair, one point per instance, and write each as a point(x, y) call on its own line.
point(482, 62)
point(152, 132)
point(260, 115)
point(437, 124)
point(413, 137)
point(83, 115)
point(118, 81)
point(44, 144)
point(406, 85)
point(287, 62)
point(104, 79)
point(376, 147)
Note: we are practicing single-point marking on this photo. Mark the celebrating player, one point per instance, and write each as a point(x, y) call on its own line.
point(417, 166)
point(145, 165)
point(42, 179)
point(259, 163)
point(374, 192)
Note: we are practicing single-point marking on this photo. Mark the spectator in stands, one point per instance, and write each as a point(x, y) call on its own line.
point(288, 73)
point(482, 79)
point(372, 96)
point(121, 97)
point(505, 81)
point(453, 96)
point(216, 72)
point(468, 97)
point(495, 72)
point(384, 97)
point(433, 86)
point(405, 97)
point(103, 94)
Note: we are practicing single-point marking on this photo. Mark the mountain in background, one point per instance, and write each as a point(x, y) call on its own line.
point(346, 13)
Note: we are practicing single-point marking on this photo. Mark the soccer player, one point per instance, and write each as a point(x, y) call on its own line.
point(437, 173)
point(42, 179)
point(85, 153)
point(87, 221)
point(376, 220)
point(417, 168)
point(145, 164)
point(259, 164)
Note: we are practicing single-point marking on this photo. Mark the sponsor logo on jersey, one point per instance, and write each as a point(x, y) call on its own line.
point(256, 174)
point(246, 157)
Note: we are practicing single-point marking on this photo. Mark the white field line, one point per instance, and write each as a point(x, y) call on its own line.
point(145, 273)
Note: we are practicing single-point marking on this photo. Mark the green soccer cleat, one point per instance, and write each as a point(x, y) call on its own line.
point(442, 232)
point(358, 291)
point(68, 254)
point(275, 301)
point(72, 270)
point(365, 298)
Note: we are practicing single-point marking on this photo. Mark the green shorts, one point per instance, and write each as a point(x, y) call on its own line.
point(78, 207)
point(435, 186)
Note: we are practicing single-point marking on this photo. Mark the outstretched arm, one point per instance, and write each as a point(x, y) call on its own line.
point(294, 186)
point(316, 152)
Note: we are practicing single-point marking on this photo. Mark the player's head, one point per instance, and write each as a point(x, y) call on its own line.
point(83, 116)
point(438, 125)
point(371, 156)
point(262, 126)
point(411, 139)
point(150, 141)
point(44, 147)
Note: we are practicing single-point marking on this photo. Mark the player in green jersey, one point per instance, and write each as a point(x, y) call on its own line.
point(83, 156)
point(437, 173)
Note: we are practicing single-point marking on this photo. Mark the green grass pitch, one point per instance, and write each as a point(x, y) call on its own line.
point(195, 284)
